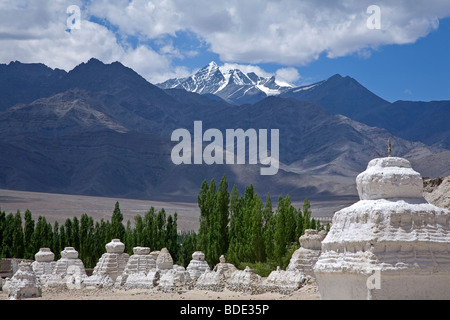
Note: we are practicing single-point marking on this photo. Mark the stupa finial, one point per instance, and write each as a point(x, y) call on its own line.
point(389, 147)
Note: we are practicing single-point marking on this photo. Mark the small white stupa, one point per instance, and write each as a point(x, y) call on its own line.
point(164, 261)
point(304, 258)
point(246, 280)
point(68, 271)
point(228, 268)
point(391, 244)
point(110, 265)
point(43, 264)
point(197, 266)
point(169, 276)
point(24, 283)
point(138, 266)
point(216, 280)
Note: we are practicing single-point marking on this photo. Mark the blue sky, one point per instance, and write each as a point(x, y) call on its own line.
point(300, 41)
point(419, 71)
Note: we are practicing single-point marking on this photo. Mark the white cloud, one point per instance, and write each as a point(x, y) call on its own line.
point(36, 31)
point(244, 68)
point(288, 32)
point(151, 65)
point(289, 75)
point(245, 33)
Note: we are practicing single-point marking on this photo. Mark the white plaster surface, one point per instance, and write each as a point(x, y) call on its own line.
point(386, 248)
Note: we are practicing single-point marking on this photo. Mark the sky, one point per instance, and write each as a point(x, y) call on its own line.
point(398, 49)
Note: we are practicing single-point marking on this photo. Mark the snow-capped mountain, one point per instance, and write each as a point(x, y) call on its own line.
point(234, 86)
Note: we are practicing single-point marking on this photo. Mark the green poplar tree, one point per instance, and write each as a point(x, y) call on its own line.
point(280, 231)
point(172, 236)
point(69, 230)
point(268, 228)
point(76, 233)
point(256, 234)
point(161, 229)
point(56, 245)
point(150, 229)
point(39, 237)
point(218, 228)
point(7, 241)
point(63, 238)
point(139, 230)
point(28, 234)
point(235, 225)
point(128, 238)
point(18, 246)
point(299, 222)
point(48, 235)
point(306, 215)
point(117, 227)
point(2, 231)
point(87, 240)
point(291, 224)
point(206, 202)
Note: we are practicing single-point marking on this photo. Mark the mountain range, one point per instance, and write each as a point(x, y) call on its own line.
point(102, 129)
point(426, 122)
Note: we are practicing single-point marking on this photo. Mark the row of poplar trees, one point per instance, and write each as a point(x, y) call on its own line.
point(244, 228)
point(23, 239)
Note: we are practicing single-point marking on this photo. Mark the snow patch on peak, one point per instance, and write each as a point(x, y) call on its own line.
point(283, 83)
point(268, 91)
point(308, 87)
point(213, 64)
point(225, 81)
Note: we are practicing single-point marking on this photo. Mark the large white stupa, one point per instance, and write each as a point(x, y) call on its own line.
point(391, 244)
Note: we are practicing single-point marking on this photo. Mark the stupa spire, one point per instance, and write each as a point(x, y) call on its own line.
point(389, 147)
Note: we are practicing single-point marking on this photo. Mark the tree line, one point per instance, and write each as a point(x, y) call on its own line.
point(23, 239)
point(246, 229)
point(243, 228)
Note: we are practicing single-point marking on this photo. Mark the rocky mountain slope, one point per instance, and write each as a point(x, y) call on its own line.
point(437, 191)
point(426, 122)
point(103, 130)
point(233, 86)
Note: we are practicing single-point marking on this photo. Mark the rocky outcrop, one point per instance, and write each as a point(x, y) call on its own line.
point(152, 279)
point(391, 244)
point(24, 283)
point(437, 191)
point(164, 260)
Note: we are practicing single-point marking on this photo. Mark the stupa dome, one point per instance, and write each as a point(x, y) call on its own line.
point(44, 255)
point(389, 178)
point(115, 246)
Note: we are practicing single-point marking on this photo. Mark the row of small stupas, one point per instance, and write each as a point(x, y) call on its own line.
point(156, 270)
